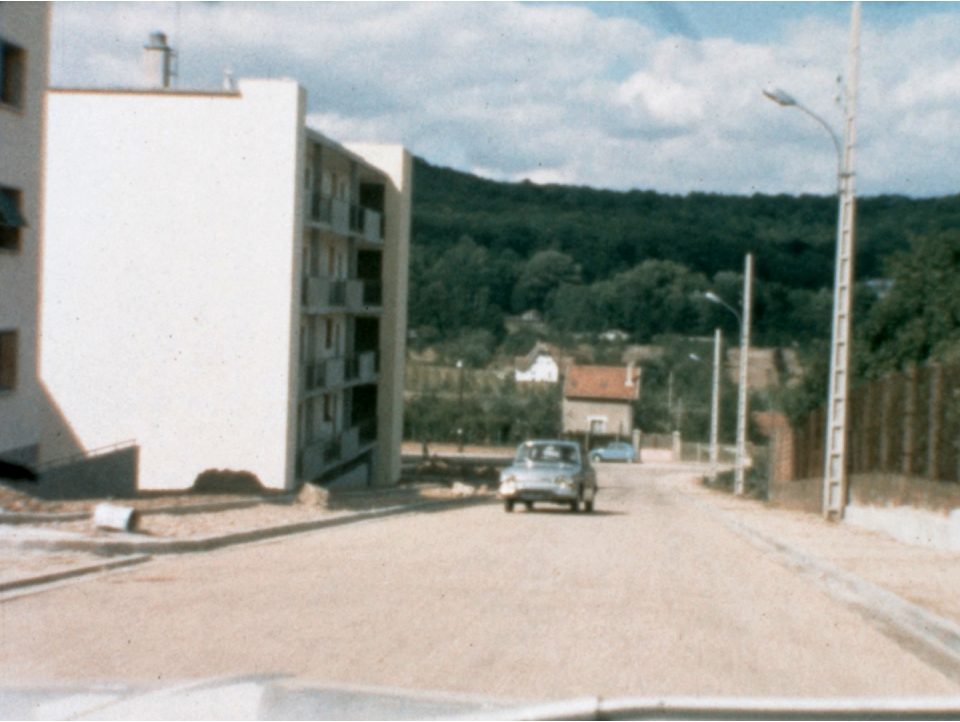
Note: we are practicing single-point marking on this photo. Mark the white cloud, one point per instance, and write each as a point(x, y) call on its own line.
point(555, 93)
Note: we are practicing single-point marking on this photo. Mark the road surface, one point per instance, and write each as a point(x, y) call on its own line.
point(650, 595)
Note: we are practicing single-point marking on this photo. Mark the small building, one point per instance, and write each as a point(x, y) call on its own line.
point(598, 400)
point(224, 286)
point(541, 365)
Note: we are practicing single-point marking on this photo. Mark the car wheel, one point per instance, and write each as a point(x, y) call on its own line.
point(529, 505)
point(508, 505)
point(575, 506)
point(588, 506)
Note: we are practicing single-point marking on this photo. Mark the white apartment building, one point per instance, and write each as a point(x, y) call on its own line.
point(23, 80)
point(223, 286)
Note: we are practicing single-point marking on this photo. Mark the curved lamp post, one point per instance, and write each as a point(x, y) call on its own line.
point(835, 467)
point(744, 321)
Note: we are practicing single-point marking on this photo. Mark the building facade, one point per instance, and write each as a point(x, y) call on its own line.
point(225, 287)
point(540, 365)
point(23, 80)
point(598, 400)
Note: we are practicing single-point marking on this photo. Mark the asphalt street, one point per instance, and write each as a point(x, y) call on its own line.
point(650, 595)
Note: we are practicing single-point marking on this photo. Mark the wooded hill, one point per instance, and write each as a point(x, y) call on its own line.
point(591, 260)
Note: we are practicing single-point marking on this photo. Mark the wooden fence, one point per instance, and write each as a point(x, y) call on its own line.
point(905, 423)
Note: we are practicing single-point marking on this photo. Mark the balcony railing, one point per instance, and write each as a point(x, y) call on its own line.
point(318, 457)
point(319, 207)
point(335, 371)
point(323, 292)
point(362, 367)
point(372, 226)
point(341, 217)
point(314, 376)
point(344, 217)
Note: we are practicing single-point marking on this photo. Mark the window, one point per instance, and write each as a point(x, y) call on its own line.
point(11, 221)
point(12, 62)
point(8, 360)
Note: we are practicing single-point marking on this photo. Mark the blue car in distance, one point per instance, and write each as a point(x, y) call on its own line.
point(615, 451)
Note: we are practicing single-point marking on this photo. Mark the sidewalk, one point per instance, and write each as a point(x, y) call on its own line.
point(37, 552)
point(910, 590)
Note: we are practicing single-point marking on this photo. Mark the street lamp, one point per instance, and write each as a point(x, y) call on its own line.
point(675, 416)
point(835, 472)
point(744, 321)
point(715, 405)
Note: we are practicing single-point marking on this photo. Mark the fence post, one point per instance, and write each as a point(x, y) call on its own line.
point(909, 420)
point(885, 432)
point(935, 409)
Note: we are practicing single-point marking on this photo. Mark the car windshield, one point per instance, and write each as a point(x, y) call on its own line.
point(548, 454)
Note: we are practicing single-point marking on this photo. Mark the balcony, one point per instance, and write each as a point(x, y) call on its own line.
point(319, 208)
point(354, 294)
point(343, 217)
point(372, 226)
point(313, 377)
point(362, 368)
point(336, 371)
point(320, 293)
point(318, 457)
point(340, 220)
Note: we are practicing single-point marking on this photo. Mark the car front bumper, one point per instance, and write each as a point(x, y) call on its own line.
point(538, 492)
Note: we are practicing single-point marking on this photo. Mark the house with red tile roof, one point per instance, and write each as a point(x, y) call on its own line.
point(598, 400)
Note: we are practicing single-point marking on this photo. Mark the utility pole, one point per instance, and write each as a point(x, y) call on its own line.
point(460, 407)
point(738, 481)
point(835, 463)
point(715, 405)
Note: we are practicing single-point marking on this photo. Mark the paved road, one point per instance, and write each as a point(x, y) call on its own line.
point(651, 595)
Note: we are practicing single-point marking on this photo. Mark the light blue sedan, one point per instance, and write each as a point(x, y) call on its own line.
point(615, 451)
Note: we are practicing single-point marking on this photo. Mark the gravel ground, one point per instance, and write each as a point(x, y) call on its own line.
point(15, 500)
point(266, 514)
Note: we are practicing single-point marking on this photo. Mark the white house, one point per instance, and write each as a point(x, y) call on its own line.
point(23, 79)
point(223, 285)
point(540, 365)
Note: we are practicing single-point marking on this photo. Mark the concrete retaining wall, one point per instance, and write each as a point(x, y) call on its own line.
point(112, 474)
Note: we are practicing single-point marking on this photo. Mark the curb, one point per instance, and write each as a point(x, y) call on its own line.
point(181, 546)
point(39, 517)
point(22, 582)
point(932, 637)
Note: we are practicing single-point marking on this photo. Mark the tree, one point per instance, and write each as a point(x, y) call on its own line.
point(540, 278)
point(919, 319)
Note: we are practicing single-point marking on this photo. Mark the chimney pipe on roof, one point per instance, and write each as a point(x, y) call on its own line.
point(156, 61)
point(629, 381)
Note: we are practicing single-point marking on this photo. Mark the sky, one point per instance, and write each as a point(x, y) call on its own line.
point(653, 96)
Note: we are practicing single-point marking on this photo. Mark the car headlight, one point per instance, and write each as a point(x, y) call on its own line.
point(508, 479)
point(564, 481)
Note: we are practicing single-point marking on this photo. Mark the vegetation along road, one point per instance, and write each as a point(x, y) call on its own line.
point(650, 595)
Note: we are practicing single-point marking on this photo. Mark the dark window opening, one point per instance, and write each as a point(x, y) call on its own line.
point(8, 360)
point(12, 67)
point(11, 220)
